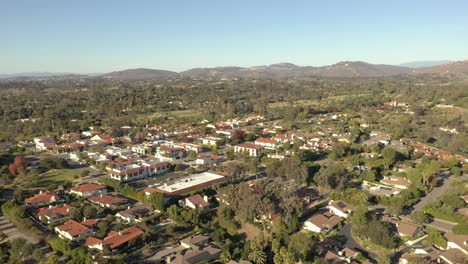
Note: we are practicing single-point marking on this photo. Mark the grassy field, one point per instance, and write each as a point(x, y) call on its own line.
point(296, 103)
point(57, 177)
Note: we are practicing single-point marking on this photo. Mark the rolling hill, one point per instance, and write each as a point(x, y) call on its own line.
point(140, 74)
point(457, 67)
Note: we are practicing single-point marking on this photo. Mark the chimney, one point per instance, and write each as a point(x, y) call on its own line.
point(50, 206)
point(205, 198)
point(84, 219)
point(101, 195)
point(120, 233)
point(68, 210)
point(40, 192)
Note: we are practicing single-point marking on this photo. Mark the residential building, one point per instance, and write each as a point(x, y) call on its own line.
point(114, 239)
point(54, 214)
point(457, 242)
point(156, 167)
point(397, 182)
point(136, 213)
point(125, 173)
point(196, 201)
point(89, 190)
point(340, 208)
point(73, 230)
point(42, 198)
point(107, 200)
point(250, 148)
point(211, 140)
point(213, 160)
point(408, 229)
point(267, 143)
point(322, 221)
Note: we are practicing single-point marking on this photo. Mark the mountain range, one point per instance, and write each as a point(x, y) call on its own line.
point(345, 69)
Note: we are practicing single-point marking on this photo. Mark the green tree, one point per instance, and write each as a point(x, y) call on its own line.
point(419, 217)
point(436, 239)
point(157, 200)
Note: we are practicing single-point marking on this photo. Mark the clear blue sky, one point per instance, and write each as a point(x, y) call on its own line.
point(100, 36)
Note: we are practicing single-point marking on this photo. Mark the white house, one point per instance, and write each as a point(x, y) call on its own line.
point(340, 208)
point(88, 190)
point(252, 149)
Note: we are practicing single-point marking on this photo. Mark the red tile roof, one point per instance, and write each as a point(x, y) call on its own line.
point(266, 140)
point(249, 146)
point(54, 212)
point(73, 228)
point(198, 200)
point(48, 196)
point(107, 199)
point(115, 239)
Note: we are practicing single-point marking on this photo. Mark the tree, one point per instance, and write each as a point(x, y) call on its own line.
point(190, 170)
point(300, 245)
point(360, 220)
point(390, 155)
point(177, 167)
point(76, 213)
point(157, 200)
point(420, 217)
point(460, 229)
point(53, 259)
point(436, 239)
point(333, 176)
point(89, 211)
point(257, 255)
point(192, 155)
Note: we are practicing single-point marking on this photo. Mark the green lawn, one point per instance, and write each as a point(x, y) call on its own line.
point(57, 177)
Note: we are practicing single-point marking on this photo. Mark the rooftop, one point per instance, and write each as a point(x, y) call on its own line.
point(187, 184)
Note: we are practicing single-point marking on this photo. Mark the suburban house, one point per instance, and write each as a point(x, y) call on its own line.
point(89, 190)
point(54, 214)
point(250, 148)
point(136, 213)
point(408, 229)
point(454, 256)
point(155, 167)
point(171, 152)
point(42, 143)
point(42, 198)
point(322, 221)
point(130, 172)
point(211, 140)
point(457, 242)
point(213, 160)
point(276, 156)
point(73, 230)
point(114, 239)
point(340, 208)
point(267, 143)
point(196, 201)
point(107, 200)
point(397, 182)
point(196, 250)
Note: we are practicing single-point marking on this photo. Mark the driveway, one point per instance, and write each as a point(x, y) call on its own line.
point(352, 244)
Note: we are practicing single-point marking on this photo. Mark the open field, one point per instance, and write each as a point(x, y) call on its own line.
point(57, 177)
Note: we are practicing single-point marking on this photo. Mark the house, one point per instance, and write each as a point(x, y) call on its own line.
point(54, 214)
point(276, 156)
point(42, 143)
point(73, 230)
point(125, 173)
point(322, 221)
point(196, 201)
point(102, 138)
point(430, 254)
point(454, 256)
point(196, 250)
point(340, 208)
point(136, 213)
point(211, 140)
point(250, 148)
point(88, 190)
point(397, 182)
point(114, 239)
point(107, 200)
point(408, 229)
point(42, 198)
point(213, 160)
point(457, 242)
point(155, 167)
point(267, 143)
point(171, 152)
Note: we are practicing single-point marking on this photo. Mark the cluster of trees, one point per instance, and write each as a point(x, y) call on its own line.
point(368, 227)
point(54, 163)
point(445, 206)
point(17, 216)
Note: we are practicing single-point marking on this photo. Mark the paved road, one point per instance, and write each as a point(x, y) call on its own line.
point(436, 192)
point(352, 244)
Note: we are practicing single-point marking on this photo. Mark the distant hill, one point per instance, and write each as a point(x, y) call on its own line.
point(34, 74)
point(457, 67)
point(140, 74)
point(423, 64)
point(341, 69)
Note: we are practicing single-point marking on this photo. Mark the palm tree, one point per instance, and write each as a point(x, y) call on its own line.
point(256, 254)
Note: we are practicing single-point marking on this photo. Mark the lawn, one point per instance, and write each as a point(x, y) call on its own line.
point(57, 177)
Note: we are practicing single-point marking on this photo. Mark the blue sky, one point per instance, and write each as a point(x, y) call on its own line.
point(100, 36)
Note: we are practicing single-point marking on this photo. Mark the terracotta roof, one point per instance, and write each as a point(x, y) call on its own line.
point(249, 146)
point(115, 239)
point(73, 228)
point(107, 199)
point(150, 190)
point(54, 212)
point(88, 187)
point(198, 200)
point(266, 140)
point(89, 222)
point(48, 196)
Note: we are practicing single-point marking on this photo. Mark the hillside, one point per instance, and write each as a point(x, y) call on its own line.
point(140, 74)
point(341, 69)
point(458, 67)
